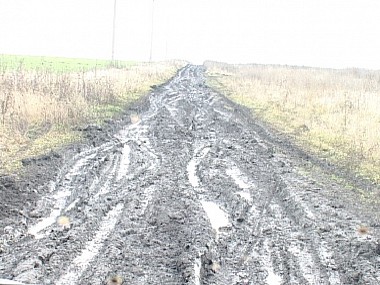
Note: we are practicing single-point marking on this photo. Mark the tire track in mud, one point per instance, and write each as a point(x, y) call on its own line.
point(191, 192)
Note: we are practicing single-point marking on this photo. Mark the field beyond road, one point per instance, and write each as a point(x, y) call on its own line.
point(332, 113)
point(43, 101)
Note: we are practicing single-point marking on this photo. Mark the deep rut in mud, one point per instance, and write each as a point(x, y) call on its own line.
point(190, 192)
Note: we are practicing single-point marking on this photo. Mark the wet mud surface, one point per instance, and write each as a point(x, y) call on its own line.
point(187, 189)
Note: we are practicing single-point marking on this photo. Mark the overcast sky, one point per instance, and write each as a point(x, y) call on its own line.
point(327, 33)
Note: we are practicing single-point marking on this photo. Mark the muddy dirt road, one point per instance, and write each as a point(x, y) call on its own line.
point(190, 191)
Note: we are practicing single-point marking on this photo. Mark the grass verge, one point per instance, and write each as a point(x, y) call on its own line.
point(40, 107)
point(333, 113)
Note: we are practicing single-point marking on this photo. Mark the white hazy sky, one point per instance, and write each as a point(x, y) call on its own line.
point(326, 33)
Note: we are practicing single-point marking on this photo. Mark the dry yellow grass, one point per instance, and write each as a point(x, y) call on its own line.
point(334, 113)
point(40, 108)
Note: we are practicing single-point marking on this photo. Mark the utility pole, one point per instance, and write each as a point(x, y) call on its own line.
point(151, 35)
point(113, 31)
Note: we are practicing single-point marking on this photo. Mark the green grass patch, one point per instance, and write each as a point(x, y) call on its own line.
point(104, 112)
point(57, 64)
point(23, 148)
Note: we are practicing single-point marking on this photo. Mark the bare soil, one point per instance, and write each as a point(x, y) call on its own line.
point(185, 188)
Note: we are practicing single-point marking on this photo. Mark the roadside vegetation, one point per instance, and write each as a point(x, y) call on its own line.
point(43, 100)
point(333, 113)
